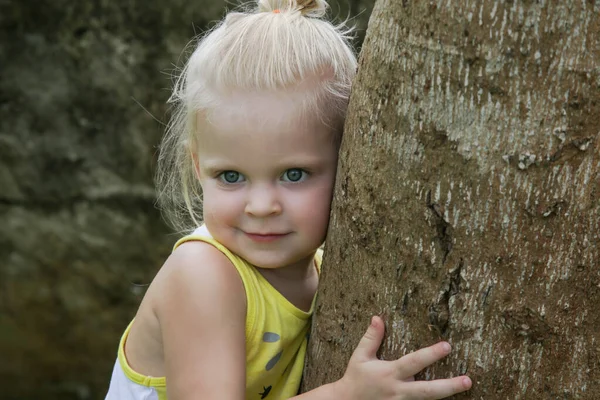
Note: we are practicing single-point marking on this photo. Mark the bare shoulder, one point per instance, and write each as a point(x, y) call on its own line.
point(195, 269)
point(200, 304)
point(195, 282)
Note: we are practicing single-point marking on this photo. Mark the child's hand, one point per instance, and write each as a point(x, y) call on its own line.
point(367, 377)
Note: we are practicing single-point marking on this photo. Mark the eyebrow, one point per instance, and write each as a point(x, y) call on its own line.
point(300, 161)
point(297, 158)
point(217, 164)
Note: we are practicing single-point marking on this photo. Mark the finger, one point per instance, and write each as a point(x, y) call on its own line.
point(414, 362)
point(370, 342)
point(436, 389)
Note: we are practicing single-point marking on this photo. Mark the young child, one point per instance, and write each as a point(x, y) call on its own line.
point(261, 105)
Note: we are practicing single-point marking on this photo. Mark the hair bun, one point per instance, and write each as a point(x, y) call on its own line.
point(308, 8)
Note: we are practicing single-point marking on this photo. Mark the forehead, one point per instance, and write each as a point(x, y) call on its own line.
point(272, 120)
point(274, 108)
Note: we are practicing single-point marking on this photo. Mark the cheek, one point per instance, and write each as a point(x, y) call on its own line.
point(323, 209)
point(219, 205)
point(313, 208)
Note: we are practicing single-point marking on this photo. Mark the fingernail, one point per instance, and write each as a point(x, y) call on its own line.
point(373, 323)
point(466, 382)
point(446, 347)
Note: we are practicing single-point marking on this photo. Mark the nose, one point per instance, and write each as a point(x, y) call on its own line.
point(263, 201)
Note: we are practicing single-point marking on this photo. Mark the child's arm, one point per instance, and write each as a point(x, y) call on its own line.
point(367, 377)
point(202, 313)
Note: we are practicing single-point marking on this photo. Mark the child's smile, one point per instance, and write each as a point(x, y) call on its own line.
point(265, 237)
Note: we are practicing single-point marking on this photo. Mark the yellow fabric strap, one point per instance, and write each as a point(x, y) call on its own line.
point(130, 373)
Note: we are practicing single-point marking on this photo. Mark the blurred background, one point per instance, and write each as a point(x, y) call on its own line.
point(83, 90)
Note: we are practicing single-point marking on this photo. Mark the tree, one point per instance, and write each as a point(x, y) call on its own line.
point(467, 202)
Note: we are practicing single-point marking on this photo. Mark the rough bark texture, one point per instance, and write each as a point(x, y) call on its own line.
point(467, 203)
point(79, 235)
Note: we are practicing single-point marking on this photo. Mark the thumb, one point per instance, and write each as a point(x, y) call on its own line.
point(370, 342)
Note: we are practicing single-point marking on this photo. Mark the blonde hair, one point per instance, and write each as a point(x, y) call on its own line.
point(279, 44)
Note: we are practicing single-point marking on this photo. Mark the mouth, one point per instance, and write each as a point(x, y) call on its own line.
point(265, 237)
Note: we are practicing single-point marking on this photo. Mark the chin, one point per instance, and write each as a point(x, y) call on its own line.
point(271, 261)
point(268, 262)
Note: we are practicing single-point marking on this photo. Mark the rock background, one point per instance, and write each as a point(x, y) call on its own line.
point(83, 86)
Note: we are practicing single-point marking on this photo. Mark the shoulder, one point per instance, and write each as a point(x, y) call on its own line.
point(194, 255)
point(200, 303)
point(196, 270)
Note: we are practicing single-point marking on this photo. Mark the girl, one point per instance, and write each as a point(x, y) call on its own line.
point(260, 109)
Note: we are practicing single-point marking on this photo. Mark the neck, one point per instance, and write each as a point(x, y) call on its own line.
point(296, 282)
point(298, 271)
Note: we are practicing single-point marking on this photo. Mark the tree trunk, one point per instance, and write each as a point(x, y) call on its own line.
point(467, 203)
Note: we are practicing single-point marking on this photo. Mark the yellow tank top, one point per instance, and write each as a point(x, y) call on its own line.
point(276, 338)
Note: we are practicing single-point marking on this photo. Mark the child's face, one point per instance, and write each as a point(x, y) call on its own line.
point(267, 178)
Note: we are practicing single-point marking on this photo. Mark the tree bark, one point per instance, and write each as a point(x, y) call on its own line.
point(467, 202)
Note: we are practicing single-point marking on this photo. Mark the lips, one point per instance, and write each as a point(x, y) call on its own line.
point(265, 237)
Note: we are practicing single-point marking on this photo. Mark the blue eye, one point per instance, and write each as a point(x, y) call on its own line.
point(294, 175)
point(231, 177)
